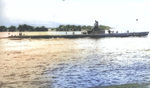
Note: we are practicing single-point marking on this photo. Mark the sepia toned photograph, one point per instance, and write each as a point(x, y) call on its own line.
point(74, 44)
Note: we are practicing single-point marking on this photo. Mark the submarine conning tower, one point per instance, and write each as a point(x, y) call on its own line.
point(96, 30)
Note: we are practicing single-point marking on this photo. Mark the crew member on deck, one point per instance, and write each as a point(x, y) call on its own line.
point(109, 31)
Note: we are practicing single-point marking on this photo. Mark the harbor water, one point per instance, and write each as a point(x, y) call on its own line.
point(74, 63)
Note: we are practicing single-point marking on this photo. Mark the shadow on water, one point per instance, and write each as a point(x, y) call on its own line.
point(15, 38)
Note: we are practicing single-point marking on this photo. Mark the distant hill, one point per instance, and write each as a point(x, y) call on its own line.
point(35, 23)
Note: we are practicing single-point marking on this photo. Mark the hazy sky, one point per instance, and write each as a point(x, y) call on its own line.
point(121, 14)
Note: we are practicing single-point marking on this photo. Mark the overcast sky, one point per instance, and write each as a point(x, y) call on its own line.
point(121, 14)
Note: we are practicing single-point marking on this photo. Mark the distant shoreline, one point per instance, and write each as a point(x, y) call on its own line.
point(70, 34)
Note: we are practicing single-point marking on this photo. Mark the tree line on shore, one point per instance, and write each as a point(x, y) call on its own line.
point(79, 27)
point(25, 27)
